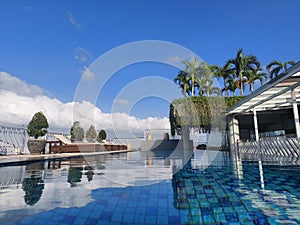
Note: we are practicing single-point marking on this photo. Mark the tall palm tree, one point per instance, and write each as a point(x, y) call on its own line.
point(192, 69)
point(222, 72)
point(199, 83)
point(275, 68)
point(183, 80)
point(207, 76)
point(240, 64)
point(230, 86)
point(253, 76)
point(240, 84)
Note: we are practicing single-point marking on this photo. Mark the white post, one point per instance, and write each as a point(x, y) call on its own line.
point(296, 114)
point(261, 174)
point(255, 125)
point(234, 135)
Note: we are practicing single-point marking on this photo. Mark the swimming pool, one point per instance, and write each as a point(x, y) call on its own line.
point(150, 188)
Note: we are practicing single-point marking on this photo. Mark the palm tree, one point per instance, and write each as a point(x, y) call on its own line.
point(253, 76)
point(230, 86)
point(240, 84)
point(275, 68)
point(192, 70)
point(240, 64)
point(207, 77)
point(199, 83)
point(222, 72)
point(182, 80)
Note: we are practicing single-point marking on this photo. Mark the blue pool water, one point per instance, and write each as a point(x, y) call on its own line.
point(150, 188)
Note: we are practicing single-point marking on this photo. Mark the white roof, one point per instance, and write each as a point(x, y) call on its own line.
point(273, 95)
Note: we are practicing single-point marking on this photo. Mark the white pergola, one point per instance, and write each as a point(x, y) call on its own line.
point(280, 93)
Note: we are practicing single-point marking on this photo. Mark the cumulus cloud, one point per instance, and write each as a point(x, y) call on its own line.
point(73, 21)
point(19, 101)
point(19, 87)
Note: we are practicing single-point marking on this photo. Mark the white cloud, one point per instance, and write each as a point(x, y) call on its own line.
point(73, 21)
point(19, 101)
point(82, 55)
point(20, 87)
point(87, 74)
point(122, 101)
point(178, 60)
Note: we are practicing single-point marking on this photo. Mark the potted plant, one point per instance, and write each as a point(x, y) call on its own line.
point(36, 128)
point(101, 136)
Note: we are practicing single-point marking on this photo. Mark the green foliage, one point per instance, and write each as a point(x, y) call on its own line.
point(199, 112)
point(91, 133)
point(231, 101)
point(77, 132)
point(38, 125)
point(33, 188)
point(101, 136)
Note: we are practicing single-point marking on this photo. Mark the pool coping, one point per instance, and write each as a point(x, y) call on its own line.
point(15, 159)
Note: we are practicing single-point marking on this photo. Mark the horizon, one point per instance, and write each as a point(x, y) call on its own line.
point(47, 50)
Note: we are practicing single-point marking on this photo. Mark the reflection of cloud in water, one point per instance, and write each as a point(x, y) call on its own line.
point(60, 190)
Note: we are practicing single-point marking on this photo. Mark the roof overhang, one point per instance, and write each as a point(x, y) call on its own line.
point(274, 95)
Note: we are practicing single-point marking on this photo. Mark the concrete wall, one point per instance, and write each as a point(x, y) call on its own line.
point(166, 145)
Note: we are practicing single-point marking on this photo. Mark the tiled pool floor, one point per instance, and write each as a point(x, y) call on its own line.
point(216, 195)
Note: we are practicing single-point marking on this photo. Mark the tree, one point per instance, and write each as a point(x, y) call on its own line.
point(192, 69)
point(240, 64)
point(253, 76)
point(206, 77)
point(182, 80)
point(91, 134)
point(77, 132)
point(38, 125)
point(224, 73)
point(240, 84)
point(230, 86)
point(275, 68)
point(101, 136)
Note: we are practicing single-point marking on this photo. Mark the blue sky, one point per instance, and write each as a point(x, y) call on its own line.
point(50, 43)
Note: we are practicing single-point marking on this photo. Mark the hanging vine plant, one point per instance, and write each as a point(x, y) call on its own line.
point(199, 112)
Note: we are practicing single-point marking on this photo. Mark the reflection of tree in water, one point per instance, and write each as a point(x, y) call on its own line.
point(179, 182)
point(33, 188)
point(90, 173)
point(33, 184)
point(75, 175)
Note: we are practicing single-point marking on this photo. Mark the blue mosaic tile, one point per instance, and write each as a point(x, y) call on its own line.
point(79, 221)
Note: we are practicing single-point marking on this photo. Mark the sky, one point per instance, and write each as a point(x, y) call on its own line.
point(50, 50)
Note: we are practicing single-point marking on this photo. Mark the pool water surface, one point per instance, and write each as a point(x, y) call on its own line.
point(150, 188)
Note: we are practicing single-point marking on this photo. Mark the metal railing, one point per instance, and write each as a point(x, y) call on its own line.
point(278, 147)
point(13, 139)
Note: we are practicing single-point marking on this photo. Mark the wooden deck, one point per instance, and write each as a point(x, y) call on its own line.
point(59, 147)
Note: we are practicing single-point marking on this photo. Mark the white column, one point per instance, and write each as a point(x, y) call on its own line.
point(255, 125)
point(261, 174)
point(234, 135)
point(296, 114)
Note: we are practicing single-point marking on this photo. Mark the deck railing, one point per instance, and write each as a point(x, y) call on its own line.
point(281, 147)
point(13, 139)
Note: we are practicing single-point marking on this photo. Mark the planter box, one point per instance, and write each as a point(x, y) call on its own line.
point(36, 146)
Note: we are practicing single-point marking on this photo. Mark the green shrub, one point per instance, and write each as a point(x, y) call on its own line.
point(77, 132)
point(101, 136)
point(91, 134)
point(38, 125)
